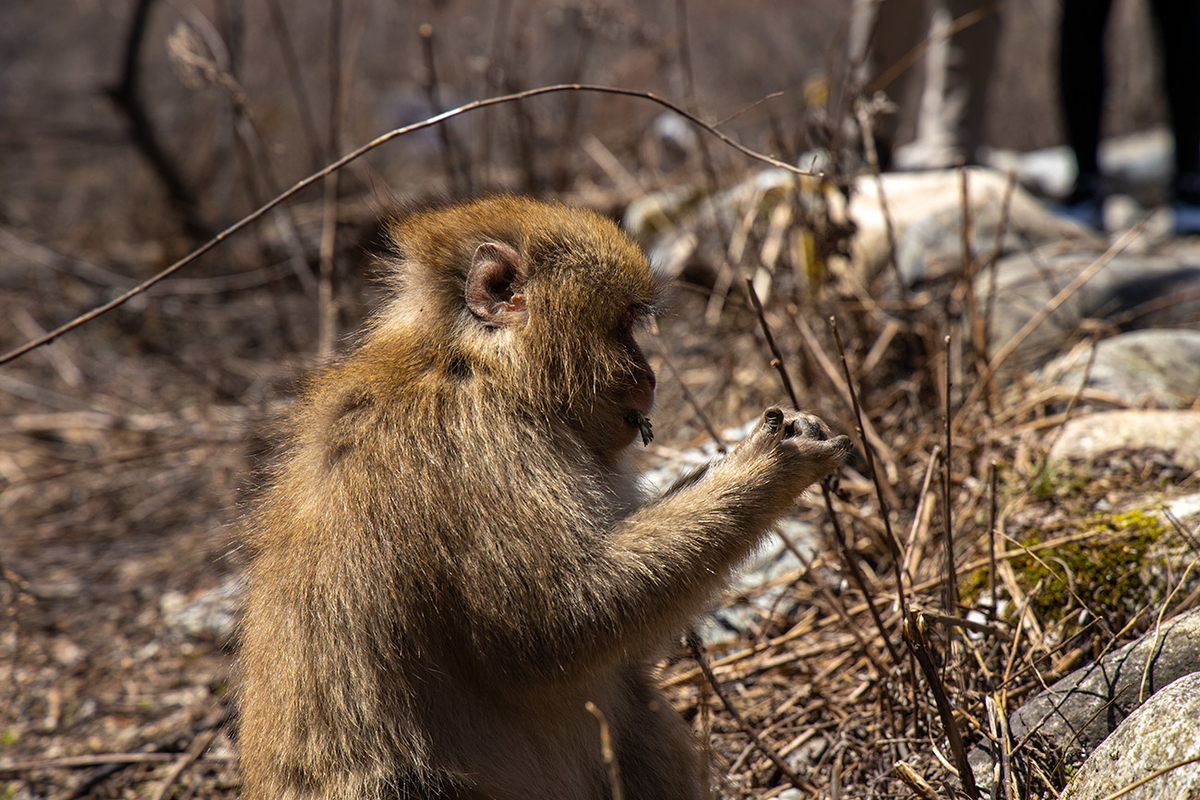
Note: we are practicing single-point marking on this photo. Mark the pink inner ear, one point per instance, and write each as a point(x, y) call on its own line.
point(495, 282)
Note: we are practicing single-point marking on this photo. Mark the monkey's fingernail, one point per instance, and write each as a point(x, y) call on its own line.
point(813, 429)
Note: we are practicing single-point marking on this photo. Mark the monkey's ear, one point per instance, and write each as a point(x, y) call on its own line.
point(496, 283)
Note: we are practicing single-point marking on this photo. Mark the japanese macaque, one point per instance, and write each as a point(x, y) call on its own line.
point(451, 557)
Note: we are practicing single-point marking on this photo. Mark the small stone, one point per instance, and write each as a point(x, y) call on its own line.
point(1175, 435)
point(1163, 732)
point(67, 653)
point(1159, 368)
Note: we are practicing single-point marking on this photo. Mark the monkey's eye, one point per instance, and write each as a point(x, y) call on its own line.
point(639, 316)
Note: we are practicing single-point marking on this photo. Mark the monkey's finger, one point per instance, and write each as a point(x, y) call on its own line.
point(772, 420)
point(840, 444)
point(799, 423)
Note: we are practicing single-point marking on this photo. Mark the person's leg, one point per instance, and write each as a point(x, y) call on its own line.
point(1179, 31)
point(1081, 86)
point(957, 68)
point(972, 62)
point(889, 30)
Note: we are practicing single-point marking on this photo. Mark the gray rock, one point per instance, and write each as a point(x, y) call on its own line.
point(925, 209)
point(207, 616)
point(1079, 711)
point(1161, 733)
point(1174, 435)
point(931, 249)
point(1158, 368)
point(1082, 709)
point(759, 588)
point(1130, 292)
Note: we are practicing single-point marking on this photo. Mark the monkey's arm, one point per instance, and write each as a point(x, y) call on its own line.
point(647, 576)
point(686, 480)
point(686, 541)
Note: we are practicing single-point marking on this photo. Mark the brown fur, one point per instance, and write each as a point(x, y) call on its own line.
point(451, 558)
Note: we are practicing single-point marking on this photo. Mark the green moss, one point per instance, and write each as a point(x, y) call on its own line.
point(1111, 572)
point(9, 738)
point(1059, 483)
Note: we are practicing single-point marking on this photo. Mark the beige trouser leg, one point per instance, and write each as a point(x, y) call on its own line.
point(942, 96)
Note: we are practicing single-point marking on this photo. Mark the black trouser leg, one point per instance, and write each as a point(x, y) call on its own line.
point(1179, 30)
point(1081, 77)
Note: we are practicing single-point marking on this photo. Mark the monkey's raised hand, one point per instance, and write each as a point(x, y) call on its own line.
point(787, 451)
point(707, 522)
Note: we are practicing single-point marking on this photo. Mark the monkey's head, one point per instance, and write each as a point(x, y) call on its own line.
point(532, 303)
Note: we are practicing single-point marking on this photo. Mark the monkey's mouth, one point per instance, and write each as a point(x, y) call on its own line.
point(639, 400)
point(641, 423)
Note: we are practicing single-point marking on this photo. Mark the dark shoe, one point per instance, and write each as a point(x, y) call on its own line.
point(1185, 204)
point(1085, 203)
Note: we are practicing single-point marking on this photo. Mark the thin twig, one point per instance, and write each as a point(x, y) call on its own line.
point(212, 69)
point(197, 748)
point(857, 575)
point(126, 96)
point(915, 782)
point(569, 137)
point(967, 276)
point(908, 59)
point(776, 356)
point(951, 593)
point(721, 123)
point(1005, 738)
point(842, 387)
point(920, 520)
point(914, 636)
point(1153, 649)
point(326, 313)
point(454, 160)
point(308, 120)
point(693, 640)
point(851, 564)
point(969, 624)
point(359, 152)
point(884, 513)
point(608, 753)
point(863, 116)
point(992, 540)
point(984, 343)
point(1080, 729)
point(708, 166)
point(692, 401)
